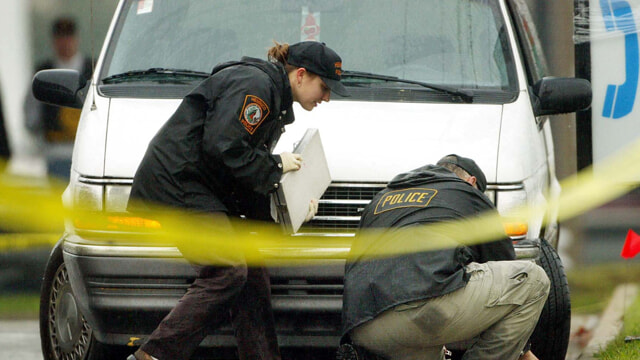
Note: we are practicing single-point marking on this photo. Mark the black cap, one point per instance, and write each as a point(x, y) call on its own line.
point(317, 58)
point(469, 166)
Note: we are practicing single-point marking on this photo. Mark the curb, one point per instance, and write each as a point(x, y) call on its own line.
point(610, 322)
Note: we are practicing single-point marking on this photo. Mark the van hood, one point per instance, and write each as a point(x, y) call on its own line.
point(363, 141)
point(132, 124)
point(381, 140)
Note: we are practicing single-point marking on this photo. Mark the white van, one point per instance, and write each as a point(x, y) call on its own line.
point(427, 78)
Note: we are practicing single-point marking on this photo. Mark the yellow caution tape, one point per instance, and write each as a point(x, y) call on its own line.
point(22, 241)
point(201, 240)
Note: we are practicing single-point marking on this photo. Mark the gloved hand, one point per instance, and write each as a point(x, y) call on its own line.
point(313, 210)
point(290, 161)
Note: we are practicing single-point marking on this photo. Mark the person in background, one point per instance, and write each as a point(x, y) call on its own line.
point(409, 306)
point(55, 127)
point(5, 149)
point(213, 158)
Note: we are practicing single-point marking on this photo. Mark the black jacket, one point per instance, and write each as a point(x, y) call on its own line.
point(426, 195)
point(5, 149)
point(214, 153)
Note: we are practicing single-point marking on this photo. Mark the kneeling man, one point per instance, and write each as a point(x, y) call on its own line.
point(410, 305)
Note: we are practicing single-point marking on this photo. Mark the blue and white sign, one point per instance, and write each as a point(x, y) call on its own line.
point(615, 66)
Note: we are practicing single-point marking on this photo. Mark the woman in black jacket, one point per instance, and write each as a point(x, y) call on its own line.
point(213, 157)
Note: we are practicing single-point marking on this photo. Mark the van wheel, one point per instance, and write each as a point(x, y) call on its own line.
point(64, 332)
point(550, 338)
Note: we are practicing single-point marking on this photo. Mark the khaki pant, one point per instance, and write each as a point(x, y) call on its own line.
point(497, 310)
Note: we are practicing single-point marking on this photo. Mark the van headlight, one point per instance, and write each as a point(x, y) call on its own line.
point(509, 198)
point(116, 197)
point(83, 194)
point(99, 208)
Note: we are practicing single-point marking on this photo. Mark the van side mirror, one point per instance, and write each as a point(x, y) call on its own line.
point(553, 95)
point(60, 87)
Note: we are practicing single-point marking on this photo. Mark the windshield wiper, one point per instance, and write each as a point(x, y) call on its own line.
point(465, 95)
point(154, 72)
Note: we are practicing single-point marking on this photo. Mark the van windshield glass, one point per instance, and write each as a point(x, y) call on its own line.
point(455, 43)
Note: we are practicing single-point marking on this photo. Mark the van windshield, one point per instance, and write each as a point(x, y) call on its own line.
point(459, 44)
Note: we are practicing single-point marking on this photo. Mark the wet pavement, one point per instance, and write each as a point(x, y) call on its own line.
point(20, 340)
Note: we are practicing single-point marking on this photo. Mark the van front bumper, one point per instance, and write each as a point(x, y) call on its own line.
point(124, 292)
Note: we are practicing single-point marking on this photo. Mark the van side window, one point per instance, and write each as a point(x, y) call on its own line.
point(535, 62)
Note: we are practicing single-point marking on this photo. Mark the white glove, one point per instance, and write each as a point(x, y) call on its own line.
point(290, 161)
point(313, 210)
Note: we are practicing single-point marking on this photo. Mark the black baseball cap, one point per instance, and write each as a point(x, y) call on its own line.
point(467, 165)
point(319, 59)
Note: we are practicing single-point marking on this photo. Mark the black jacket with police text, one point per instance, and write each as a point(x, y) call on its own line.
point(392, 222)
point(214, 153)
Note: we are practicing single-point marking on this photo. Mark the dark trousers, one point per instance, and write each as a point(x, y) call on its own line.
point(238, 290)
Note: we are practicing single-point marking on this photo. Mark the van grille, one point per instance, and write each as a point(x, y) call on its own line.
point(341, 206)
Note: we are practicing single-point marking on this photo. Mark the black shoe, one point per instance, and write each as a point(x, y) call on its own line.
point(140, 355)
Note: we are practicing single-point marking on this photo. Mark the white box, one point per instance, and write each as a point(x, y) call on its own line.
point(297, 188)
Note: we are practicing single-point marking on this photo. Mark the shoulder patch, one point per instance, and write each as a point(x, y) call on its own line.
point(254, 111)
point(413, 197)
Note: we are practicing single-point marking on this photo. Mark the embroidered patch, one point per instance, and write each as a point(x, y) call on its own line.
point(254, 111)
point(414, 197)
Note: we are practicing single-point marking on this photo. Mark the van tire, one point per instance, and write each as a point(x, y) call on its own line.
point(550, 338)
point(58, 310)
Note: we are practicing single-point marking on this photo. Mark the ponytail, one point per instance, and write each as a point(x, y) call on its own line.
point(280, 53)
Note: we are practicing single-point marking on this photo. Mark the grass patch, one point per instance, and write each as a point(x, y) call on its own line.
point(19, 306)
point(618, 349)
point(591, 286)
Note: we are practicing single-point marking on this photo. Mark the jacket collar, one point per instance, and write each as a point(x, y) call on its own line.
point(278, 75)
point(276, 71)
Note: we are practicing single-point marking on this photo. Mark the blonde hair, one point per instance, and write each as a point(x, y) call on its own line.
point(279, 53)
